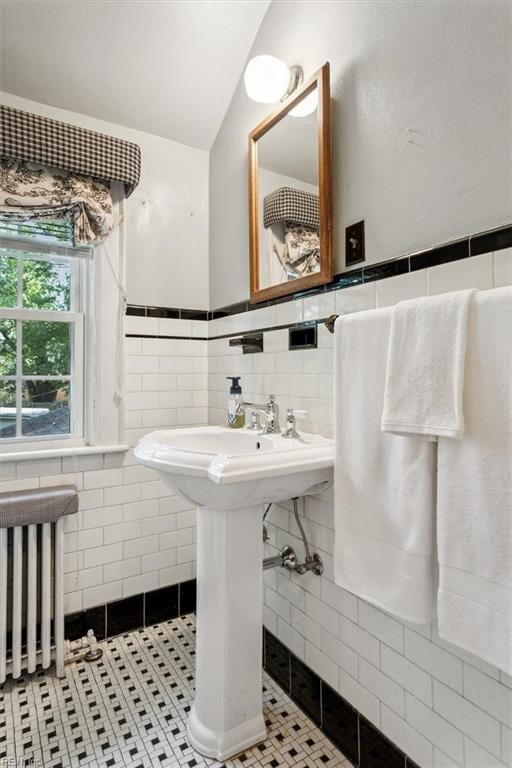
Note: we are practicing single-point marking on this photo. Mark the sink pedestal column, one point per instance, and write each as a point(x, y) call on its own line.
point(227, 715)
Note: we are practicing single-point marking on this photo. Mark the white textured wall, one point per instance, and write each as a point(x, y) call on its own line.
point(166, 216)
point(442, 706)
point(421, 126)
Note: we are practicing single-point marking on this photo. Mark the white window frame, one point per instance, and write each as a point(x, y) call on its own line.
point(102, 301)
point(80, 262)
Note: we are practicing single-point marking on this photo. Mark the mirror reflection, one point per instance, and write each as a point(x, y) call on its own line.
point(288, 196)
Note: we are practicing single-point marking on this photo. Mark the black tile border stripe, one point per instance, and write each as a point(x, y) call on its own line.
point(473, 245)
point(339, 720)
point(285, 326)
point(134, 612)
point(173, 313)
point(156, 336)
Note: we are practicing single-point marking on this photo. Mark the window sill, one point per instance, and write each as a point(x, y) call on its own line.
point(55, 453)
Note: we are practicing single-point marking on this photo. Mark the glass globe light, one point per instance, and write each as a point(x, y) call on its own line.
point(307, 106)
point(266, 79)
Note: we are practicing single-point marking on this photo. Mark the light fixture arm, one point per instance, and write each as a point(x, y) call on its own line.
point(296, 80)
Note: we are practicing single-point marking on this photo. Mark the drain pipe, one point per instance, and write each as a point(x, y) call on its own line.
point(287, 558)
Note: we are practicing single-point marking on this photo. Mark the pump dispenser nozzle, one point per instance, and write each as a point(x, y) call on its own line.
point(235, 388)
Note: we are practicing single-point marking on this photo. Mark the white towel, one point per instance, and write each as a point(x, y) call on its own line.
point(425, 368)
point(383, 484)
point(475, 493)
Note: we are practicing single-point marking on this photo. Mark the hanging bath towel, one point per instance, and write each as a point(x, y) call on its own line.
point(383, 484)
point(475, 493)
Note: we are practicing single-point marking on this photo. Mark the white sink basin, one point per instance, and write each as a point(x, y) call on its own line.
point(222, 468)
point(228, 475)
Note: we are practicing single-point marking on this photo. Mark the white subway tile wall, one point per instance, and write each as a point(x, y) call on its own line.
point(442, 706)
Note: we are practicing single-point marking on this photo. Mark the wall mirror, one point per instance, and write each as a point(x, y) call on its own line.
point(290, 194)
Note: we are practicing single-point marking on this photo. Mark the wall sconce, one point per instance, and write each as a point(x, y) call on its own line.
point(268, 79)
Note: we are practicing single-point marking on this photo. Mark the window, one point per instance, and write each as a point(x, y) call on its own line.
point(41, 334)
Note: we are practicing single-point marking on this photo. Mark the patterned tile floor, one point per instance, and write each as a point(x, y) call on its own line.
point(130, 710)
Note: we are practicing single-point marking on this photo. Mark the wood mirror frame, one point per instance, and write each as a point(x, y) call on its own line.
point(319, 80)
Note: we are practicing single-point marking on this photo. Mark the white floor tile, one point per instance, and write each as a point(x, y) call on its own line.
point(130, 710)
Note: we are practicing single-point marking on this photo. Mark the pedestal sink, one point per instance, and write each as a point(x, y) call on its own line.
point(229, 475)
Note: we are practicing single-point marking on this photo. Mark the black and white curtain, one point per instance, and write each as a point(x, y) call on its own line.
point(51, 171)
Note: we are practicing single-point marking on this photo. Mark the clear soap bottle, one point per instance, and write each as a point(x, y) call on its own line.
point(236, 416)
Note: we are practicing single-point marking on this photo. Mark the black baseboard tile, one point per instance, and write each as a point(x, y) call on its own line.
point(161, 605)
point(188, 597)
point(305, 689)
point(340, 722)
point(77, 624)
point(376, 751)
point(125, 615)
point(360, 741)
point(277, 661)
point(130, 613)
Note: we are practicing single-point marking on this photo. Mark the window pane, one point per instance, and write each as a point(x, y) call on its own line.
point(8, 280)
point(46, 348)
point(7, 347)
point(46, 284)
point(7, 409)
point(60, 232)
point(45, 408)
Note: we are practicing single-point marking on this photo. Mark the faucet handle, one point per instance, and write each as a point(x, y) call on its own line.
point(290, 430)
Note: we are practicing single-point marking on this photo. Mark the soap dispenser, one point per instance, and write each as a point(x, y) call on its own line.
point(236, 416)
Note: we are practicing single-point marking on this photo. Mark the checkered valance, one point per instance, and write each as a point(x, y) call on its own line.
point(291, 205)
point(37, 139)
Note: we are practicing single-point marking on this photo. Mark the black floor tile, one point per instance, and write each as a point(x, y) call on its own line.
point(188, 597)
point(125, 615)
point(339, 723)
point(77, 624)
point(161, 605)
point(277, 661)
point(376, 750)
point(305, 689)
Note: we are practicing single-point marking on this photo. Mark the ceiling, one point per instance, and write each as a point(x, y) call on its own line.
point(165, 67)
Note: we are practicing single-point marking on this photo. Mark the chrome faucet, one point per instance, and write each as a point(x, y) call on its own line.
point(269, 411)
